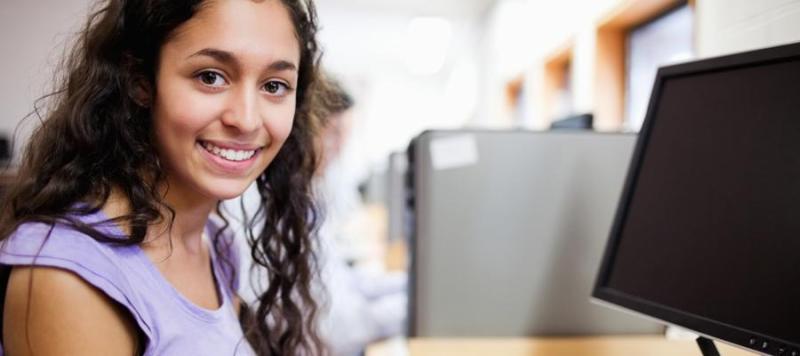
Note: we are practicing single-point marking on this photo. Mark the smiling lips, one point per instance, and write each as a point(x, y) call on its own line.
point(229, 154)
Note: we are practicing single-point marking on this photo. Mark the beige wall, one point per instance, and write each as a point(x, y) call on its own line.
point(727, 26)
point(32, 36)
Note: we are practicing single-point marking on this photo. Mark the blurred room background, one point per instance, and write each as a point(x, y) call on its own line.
point(416, 65)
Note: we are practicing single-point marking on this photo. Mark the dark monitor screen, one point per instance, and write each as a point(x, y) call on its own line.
point(707, 234)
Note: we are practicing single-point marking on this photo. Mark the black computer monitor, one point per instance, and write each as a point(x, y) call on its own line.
point(707, 232)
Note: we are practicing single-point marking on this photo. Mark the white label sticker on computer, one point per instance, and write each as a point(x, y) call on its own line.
point(455, 151)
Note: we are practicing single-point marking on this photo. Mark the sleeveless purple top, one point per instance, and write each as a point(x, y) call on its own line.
point(172, 324)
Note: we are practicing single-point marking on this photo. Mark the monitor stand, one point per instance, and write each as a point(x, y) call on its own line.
point(707, 346)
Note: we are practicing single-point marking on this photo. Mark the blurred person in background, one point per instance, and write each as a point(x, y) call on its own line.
point(358, 307)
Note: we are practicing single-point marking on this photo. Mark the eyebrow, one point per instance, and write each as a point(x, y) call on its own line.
point(228, 58)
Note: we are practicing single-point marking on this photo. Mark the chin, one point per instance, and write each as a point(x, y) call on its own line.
point(227, 193)
point(224, 189)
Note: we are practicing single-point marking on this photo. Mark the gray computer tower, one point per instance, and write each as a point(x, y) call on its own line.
point(508, 231)
point(396, 197)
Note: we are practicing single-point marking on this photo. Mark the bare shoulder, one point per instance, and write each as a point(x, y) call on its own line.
point(55, 312)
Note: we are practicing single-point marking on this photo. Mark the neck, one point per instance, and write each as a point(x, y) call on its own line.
point(191, 214)
point(190, 220)
point(185, 231)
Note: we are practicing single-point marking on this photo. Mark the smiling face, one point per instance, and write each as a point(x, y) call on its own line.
point(225, 97)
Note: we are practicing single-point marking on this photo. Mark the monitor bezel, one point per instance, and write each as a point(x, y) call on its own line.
point(730, 334)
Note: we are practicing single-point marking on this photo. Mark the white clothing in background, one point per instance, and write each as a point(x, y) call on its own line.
point(359, 308)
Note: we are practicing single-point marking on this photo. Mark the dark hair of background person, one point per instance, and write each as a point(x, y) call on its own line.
point(96, 137)
point(332, 99)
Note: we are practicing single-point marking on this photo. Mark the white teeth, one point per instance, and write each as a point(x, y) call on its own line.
point(231, 155)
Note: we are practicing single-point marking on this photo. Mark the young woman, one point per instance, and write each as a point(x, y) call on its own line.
point(166, 108)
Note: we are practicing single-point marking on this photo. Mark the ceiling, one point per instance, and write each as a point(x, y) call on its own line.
point(472, 9)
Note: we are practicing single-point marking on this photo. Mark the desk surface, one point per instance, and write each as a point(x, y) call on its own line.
point(594, 346)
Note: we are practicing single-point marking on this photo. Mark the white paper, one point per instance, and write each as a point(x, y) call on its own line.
point(454, 151)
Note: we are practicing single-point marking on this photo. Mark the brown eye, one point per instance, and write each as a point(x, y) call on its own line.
point(276, 88)
point(212, 79)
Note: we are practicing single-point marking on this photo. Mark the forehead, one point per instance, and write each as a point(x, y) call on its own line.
point(260, 29)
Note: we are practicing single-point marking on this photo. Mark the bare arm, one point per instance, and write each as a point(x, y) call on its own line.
point(50, 311)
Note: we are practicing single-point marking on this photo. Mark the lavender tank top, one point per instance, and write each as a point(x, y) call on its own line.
point(172, 324)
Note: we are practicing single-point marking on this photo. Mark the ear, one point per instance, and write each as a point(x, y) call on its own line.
point(142, 93)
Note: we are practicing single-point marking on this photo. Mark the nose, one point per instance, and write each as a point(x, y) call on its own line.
point(242, 111)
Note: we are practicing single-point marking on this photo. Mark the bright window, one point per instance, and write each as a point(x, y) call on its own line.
point(662, 41)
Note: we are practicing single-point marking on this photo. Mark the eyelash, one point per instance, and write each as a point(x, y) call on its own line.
point(201, 76)
point(286, 88)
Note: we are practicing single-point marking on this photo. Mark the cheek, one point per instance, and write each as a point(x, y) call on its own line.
point(185, 113)
point(281, 122)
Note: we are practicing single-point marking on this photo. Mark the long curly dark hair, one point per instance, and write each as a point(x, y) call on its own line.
point(97, 138)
